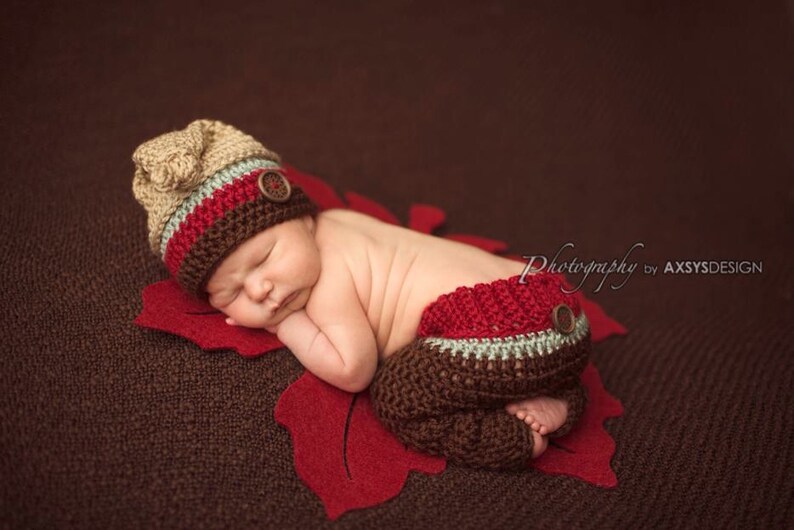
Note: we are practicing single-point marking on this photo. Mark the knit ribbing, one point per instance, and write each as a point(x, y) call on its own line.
point(226, 176)
point(169, 167)
point(210, 210)
point(233, 228)
point(502, 308)
point(199, 187)
point(446, 394)
point(538, 344)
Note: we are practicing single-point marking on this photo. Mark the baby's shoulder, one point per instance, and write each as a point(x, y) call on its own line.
point(348, 228)
point(371, 250)
point(338, 230)
point(345, 244)
point(341, 218)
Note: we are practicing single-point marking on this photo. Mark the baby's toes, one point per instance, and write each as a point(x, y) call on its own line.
point(521, 414)
point(542, 429)
point(539, 445)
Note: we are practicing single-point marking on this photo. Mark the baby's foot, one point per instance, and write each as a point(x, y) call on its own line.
point(543, 414)
point(541, 442)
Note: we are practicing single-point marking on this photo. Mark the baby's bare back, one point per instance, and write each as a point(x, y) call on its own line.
point(397, 272)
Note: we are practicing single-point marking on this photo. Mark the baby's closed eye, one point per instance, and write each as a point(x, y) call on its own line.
point(228, 297)
point(230, 294)
point(223, 297)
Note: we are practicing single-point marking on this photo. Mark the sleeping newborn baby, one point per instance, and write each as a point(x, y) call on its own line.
point(467, 355)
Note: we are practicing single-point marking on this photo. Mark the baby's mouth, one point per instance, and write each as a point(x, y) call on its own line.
point(275, 306)
point(288, 300)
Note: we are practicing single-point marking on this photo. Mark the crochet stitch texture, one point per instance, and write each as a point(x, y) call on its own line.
point(199, 188)
point(478, 349)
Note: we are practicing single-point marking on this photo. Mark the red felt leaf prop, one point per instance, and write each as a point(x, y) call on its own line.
point(317, 190)
point(425, 218)
point(586, 450)
point(601, 326)
point(348, 459)
point(168, 308)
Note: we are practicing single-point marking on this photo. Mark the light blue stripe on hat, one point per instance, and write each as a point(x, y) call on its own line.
point(216, 181)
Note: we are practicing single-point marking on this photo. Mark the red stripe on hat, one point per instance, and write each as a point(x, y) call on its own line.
point(212, 208)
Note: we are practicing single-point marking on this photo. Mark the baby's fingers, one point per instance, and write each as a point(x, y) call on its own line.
point(231, 321)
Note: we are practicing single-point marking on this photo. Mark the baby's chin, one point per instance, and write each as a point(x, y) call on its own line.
point(279, 316)
point(275, 321)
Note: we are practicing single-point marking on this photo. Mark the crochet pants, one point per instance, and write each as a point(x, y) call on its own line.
point(476, 350)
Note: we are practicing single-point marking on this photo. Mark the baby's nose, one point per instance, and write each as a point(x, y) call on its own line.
point(258, 288)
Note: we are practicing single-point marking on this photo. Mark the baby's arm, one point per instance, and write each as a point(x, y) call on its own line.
point(337, 344)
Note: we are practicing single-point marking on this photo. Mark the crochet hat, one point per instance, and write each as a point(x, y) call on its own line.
point(206, 189)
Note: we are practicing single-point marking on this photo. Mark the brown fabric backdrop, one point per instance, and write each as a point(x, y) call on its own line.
point(602, 123)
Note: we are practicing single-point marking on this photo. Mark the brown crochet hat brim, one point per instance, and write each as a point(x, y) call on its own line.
point(235, 227)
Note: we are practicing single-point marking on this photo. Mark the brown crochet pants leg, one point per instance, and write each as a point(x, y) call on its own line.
point(453, 407)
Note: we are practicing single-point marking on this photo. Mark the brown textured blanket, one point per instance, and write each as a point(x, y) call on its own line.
point(600, 124)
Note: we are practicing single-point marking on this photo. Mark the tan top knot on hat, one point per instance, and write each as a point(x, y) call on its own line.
point(201, 189)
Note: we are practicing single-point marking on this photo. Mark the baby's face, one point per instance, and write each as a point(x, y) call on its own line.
point(269, 276)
